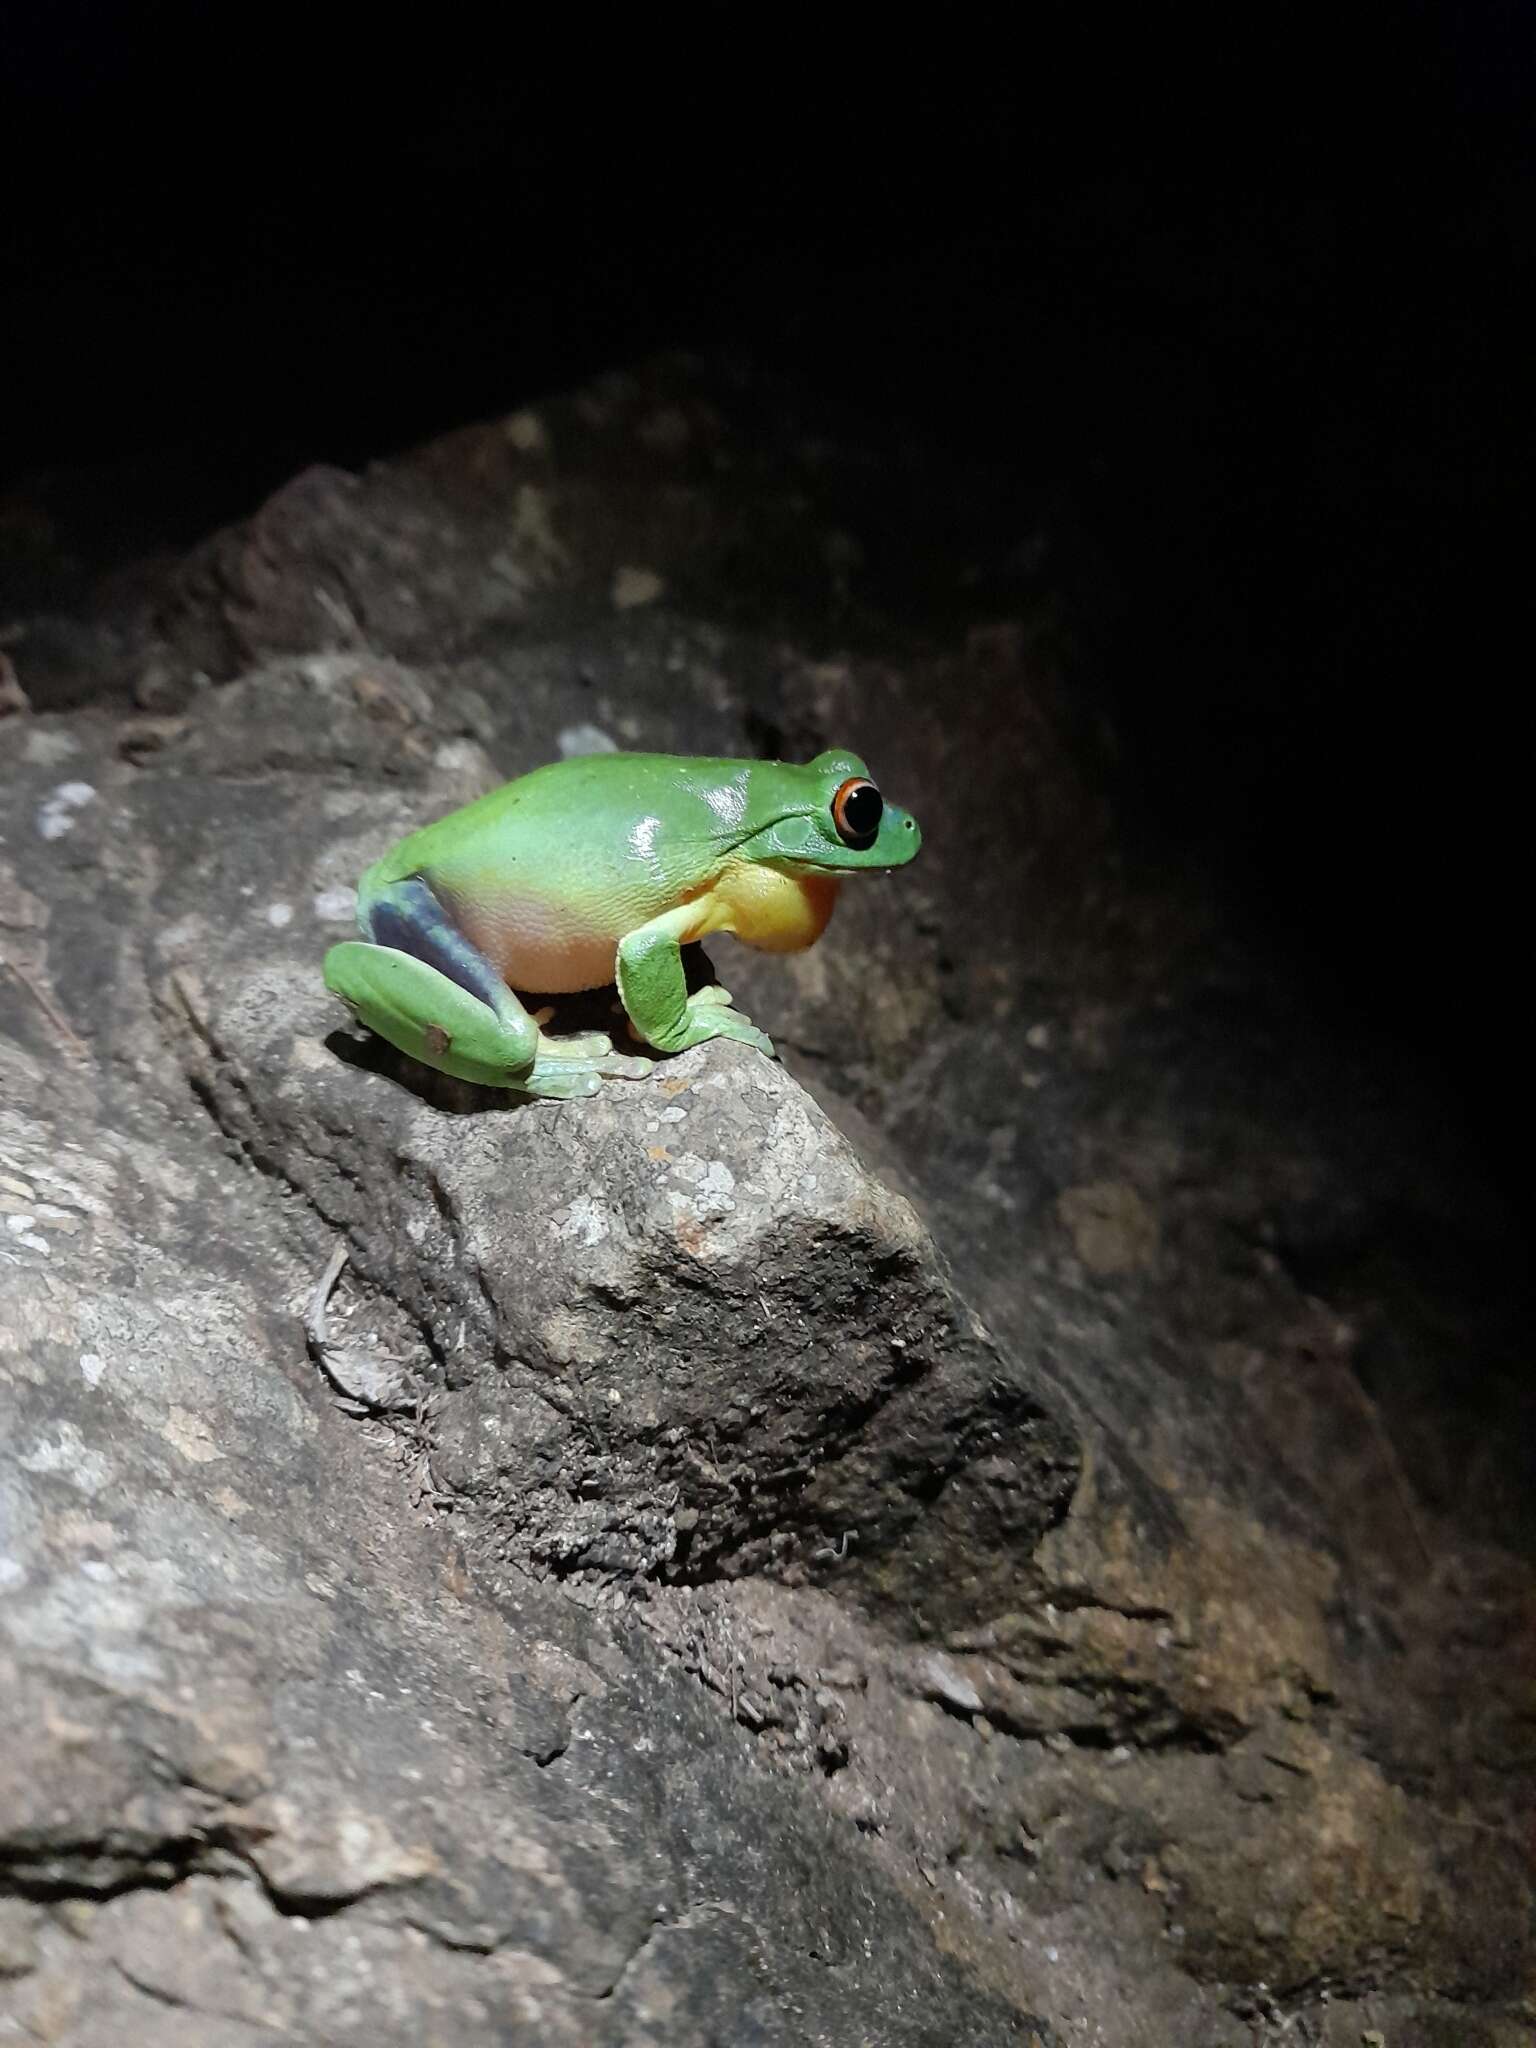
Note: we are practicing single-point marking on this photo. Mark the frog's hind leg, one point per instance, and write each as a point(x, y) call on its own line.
point(417, 981)
point(406, 917)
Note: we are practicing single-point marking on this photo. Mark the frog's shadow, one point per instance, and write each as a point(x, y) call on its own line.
point(356, 1047)
point(595, 1009)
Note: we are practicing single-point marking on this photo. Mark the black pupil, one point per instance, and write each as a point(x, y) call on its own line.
point(861, 811)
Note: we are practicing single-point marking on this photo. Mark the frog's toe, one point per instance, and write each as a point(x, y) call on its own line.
point(575, 1045)
point(720, 1021)
point(745, 1032)
point(559, 1082)
point(564, 1076)
point(713, 997)
point(625, 1066)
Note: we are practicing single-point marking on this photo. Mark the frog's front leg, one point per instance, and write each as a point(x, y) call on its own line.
point(654, 989)
point(417, 981)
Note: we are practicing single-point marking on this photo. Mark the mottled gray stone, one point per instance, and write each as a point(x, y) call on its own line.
point(726, 1616)
point(270, 1760)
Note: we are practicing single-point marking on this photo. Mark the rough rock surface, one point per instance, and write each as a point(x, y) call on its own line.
point(679, 1602)
point(276, 1765)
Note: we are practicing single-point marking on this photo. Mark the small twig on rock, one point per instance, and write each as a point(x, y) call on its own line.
point(61, 1024)
point(373, 1387)
point(319, 1301)
point(1392, 1461)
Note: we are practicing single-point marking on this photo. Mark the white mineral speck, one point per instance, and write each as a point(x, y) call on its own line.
point(21, 1229)
point(279, 914)
point(526, 432)
point(946, 1683)
point(336, 906)
point(67, 1453)
point(56, 813)
point(586, 1220)
point(584, 739)
point(92, 1366)
point(635, 587)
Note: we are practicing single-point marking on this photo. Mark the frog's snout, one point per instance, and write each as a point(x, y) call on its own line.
point(898, 841)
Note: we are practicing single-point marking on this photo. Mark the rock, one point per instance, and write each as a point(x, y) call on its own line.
point(692, 1299)
point(270, 1759)
point(912, 1557)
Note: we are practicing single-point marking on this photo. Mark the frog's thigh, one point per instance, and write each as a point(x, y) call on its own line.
point(407, 918)
point(426, 988)
point(430, 1017)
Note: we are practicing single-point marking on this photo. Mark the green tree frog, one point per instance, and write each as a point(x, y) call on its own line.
point(594, 870)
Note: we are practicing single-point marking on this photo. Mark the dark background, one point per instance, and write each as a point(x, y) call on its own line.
point(1240, 310)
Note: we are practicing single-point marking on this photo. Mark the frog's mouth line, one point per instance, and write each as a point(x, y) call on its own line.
point(836, 871)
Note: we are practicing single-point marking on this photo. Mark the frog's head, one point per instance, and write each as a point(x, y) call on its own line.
point(828, 817)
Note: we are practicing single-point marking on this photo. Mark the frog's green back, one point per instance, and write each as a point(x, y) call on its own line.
point(604, 822)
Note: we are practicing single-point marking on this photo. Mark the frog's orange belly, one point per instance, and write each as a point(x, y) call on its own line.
point(537, 946)
point(547, 948)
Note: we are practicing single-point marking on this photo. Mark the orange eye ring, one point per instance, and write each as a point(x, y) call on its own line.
point(856, 811)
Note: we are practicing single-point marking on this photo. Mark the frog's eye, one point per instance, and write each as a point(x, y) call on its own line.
point(856, 811)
